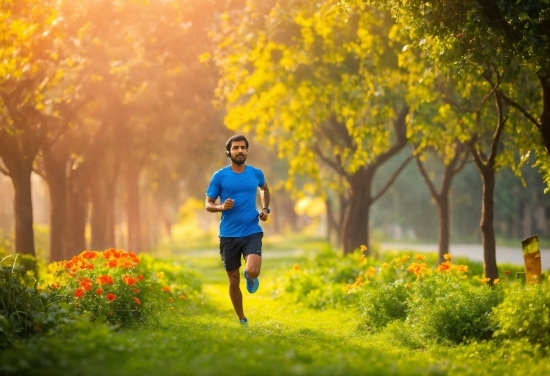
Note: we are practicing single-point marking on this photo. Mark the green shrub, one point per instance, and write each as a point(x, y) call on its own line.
point(183, 282)
point(382, 303)
point(320, 282)
point(524, 314)
point(444, 309)
point(24, 311)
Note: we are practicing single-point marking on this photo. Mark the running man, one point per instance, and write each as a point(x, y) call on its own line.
point(240, 233)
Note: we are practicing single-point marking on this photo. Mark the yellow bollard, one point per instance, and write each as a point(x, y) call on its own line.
point(531, 256)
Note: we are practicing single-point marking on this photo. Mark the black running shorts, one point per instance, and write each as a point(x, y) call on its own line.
point(231, 249)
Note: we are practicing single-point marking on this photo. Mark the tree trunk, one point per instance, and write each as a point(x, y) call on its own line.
point(133, 209)
point(77, 212)
point(444, 224)
point(55, 168)
point(102, 218)
point(487, 227)
point(356, 221)
point(544, 79)
point(24, 234)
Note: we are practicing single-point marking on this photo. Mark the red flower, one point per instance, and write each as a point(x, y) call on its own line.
point(106, 280)
point(130, 281)
point(112, 264)
point(166, 289)
point(140, 277)
point(110, 297)
point(136, 300)
point(79, 293)
point(88, 254)
point(507, 272)
point(171, 300)
point(86, 284)
point(99, 291)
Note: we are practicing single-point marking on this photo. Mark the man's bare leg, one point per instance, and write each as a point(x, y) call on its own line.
point(235, 292)
point(253, 265)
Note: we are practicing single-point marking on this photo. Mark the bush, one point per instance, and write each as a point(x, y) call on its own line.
point(319, 282)
point(109, 286)
point(524, 314)
point(445, 310)
point(24, 311)
point(381, 303)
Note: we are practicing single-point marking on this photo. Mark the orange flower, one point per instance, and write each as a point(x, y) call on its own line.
point(462, 268)
point(140, 277)
point(136, 290)
point(363, 248)
point(99, 291)
point(86, 284)
point(496, 281)
point(171, 300)
point(296, 267)
point(112, 264)
point(443, 267)
point(106, 280)
point(110, 297)
point(55, 286)
point(166, 289)
point(419, 257)
point(405, 258)
point(130, 281)
point(79, 293)
point(182, 297)
point(132, 256)
point(407, 285)
point(447, 256)
point(507, 272)
point(417, 268)
point(484, 280)
point(136, 300)
point(358, 281)
point(370, 271)
point(88, 254)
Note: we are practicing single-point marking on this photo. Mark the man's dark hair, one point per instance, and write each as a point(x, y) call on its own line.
point(237, 137)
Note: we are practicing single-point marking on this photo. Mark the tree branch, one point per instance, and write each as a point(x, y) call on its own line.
point(329, 162)
point(426, 178)
point(521, 109)
point(392, 179)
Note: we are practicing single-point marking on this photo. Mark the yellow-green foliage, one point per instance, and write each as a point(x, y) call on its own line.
point(524, 314)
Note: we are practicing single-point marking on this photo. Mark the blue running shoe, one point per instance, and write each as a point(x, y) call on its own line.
point(243, 322)
point(252, 284)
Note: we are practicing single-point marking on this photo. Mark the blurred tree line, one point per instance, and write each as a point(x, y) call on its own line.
point(344, 88)
point(399, 128)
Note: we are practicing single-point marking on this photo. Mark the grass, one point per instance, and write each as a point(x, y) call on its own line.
point(203, 337)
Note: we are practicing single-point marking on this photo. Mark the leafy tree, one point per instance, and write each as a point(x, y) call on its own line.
point(327, 93)
point(32, 95)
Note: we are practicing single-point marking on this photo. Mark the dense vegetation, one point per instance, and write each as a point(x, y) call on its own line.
point(317, 312)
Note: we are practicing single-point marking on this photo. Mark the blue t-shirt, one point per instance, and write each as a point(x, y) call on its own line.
point(243, 218)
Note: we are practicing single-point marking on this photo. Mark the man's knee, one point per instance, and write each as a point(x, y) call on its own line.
point(253, 266)
point(234, 278)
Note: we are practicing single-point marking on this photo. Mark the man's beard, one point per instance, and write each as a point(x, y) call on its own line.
point(238, 161)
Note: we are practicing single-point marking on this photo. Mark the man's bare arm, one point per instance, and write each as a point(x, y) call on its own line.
point(264, 196)
point(211, 205)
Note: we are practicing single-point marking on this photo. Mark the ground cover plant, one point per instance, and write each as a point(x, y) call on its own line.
point(201, 336)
